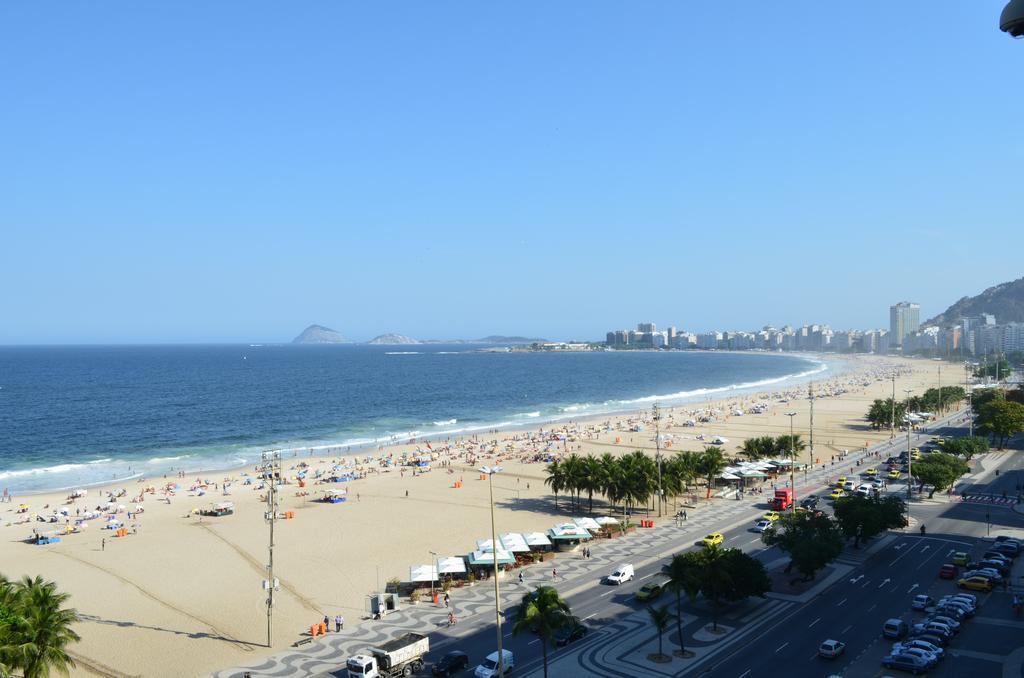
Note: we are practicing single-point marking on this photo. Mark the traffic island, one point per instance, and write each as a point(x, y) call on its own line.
point(711, 633)
point(659, 658)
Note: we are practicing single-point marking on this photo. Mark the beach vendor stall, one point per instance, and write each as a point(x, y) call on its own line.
point(451, 567)
point(569, 535)
point(43, 538)
point(224, 508)
point(482, 562)
point(537, 541)
point(588, 524)
point(334, 496)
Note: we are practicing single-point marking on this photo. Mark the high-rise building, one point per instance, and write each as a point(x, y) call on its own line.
point(904, 319)
point(646, 327)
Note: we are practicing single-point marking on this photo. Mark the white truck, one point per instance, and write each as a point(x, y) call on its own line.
point(621, 575)
point(402, 656)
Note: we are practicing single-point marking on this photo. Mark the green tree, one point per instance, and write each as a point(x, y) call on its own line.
point(545, 612)
point(983, 396)
point(1002, 419)
point(556, 479)
point(863, 518)
point(964, 446)
point(790, 446)
point(811, 540)
point(35, 628)
point(593, 479)
point(940, 470)
point(759, 447)
point(659, 617)
point(710, 464)
point(996, 368)
point(729, 576)
point(575, 477)
point(881, 414)
point(684, 577)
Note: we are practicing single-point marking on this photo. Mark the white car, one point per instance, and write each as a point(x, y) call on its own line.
point(831, 649)
point(764, 526)
point(489, 667)
point(897, 648)
point(920, 602)
point(621, 575)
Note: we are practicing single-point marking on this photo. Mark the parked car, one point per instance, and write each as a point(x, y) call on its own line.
point(1010, 548)
point(894, 628)
point(920, 602)
point(951, 610)
point(948, 571)
point(933, 627)
point(810, 501)
point(928, 657)
point(920, 644)
point(997, 565)
point(570, 633)
point(988, 573)
point(831, 649)
point(453, 662)
point(961, 558)
point(943, 619)
point(933, 638)
point(905, 662)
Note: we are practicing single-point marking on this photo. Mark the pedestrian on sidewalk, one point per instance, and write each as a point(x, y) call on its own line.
point(684, 516)
point(337, 623)
point(554, 573)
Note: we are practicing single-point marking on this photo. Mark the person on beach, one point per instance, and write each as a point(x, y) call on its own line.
point(103, 544)
point(327, 623)
point(338, 622)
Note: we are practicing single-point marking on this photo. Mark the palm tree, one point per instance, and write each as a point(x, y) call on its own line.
point(759, 447)
point(594, 479)
point(643, 478)
point(683, 574)
point(710, 463)
point(659, 617)
point(556, 479)
point(35, 629)
point(574, 476)
point(545, 612)
point(790, 446)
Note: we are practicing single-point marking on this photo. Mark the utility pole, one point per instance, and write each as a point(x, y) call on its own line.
point(657, 446)
point(792, 459)
point(970, 397)
point(270, 471)
point(810, 395)
point(940, 389)
point(892, 410)
point(490, 471)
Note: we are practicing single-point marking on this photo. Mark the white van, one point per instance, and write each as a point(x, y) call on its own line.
point(621, 574)
point(894, 628)
point(489, 667)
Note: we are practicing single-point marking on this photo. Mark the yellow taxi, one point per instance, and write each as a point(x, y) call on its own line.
point(894, 475)
point(840, 481)
point(915, 453)
point(836, 493)
point(713, 539)
point(975, 584)
point(771, 516)
point(871, 471)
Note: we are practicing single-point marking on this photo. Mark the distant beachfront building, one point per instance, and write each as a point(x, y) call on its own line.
point(1013, 337)
point(647, 328)
point(709, 340)
point(904, 320)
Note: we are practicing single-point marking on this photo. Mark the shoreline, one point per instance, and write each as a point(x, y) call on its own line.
point(199, 577)
point(827, 364)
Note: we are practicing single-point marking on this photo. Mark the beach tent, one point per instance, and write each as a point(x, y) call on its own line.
point(420, 573)
point(728, 476)
point(587, 523)
point(719, 440)
point(607, 520)
point(514, 542)
point(568, 532)
point(537, 540)
point(451, 565)
point(478, 558)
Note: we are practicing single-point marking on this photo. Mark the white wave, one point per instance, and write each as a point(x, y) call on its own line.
point(402, 353)
point(448, 422)
point(575, 408)
point(160, 460)
point(59, 468)
point(530, 415)
point(99, 461)
point(447, 352)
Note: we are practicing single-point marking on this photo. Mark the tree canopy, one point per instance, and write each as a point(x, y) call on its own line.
point(863, 518)
point(881, 414)
point(965, 446)
point(1002, 419)
point(812, 541)
point(940, 470)
point(35, 628)
point(545, 612)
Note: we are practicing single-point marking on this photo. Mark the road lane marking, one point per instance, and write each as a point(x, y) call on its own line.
point(536, 640)
point(606, 594)
point(648, 576)
point(841, 602)
point(588, 616)
point(752, 541)
point(745, 673)
point(872, 607)
point(843, 632)
point(782, 646)
point(814, 622)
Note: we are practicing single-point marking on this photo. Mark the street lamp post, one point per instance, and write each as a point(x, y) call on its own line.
point(910, 457)
point(433, 572)
point(490, 471)
point(657, 455)
point(792, 459)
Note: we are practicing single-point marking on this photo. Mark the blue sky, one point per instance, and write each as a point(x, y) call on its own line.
point(235, 171)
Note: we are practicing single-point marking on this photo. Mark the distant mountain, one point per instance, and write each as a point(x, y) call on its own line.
point(318, 334)
point(393, 339)
point(1005, 302)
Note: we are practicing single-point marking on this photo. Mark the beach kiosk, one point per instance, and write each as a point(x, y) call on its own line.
point(379, 604)
point(569, 535)
point(334, 496)
point(537, 541)
point(224, 508)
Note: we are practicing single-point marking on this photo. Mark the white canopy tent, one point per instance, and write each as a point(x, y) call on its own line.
point(536, 539)
point(587, 523)
point(451, 565)
point(514, 542)
point(607, 520)
point(420, 573)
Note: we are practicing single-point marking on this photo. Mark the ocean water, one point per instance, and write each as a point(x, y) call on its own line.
point(72, 416)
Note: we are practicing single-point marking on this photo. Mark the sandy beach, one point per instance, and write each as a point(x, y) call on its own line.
point(180, 595)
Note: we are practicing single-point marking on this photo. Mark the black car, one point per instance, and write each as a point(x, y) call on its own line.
point(1008, 548)
point(453, 662)
point(569, 634)
point(810, 502)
